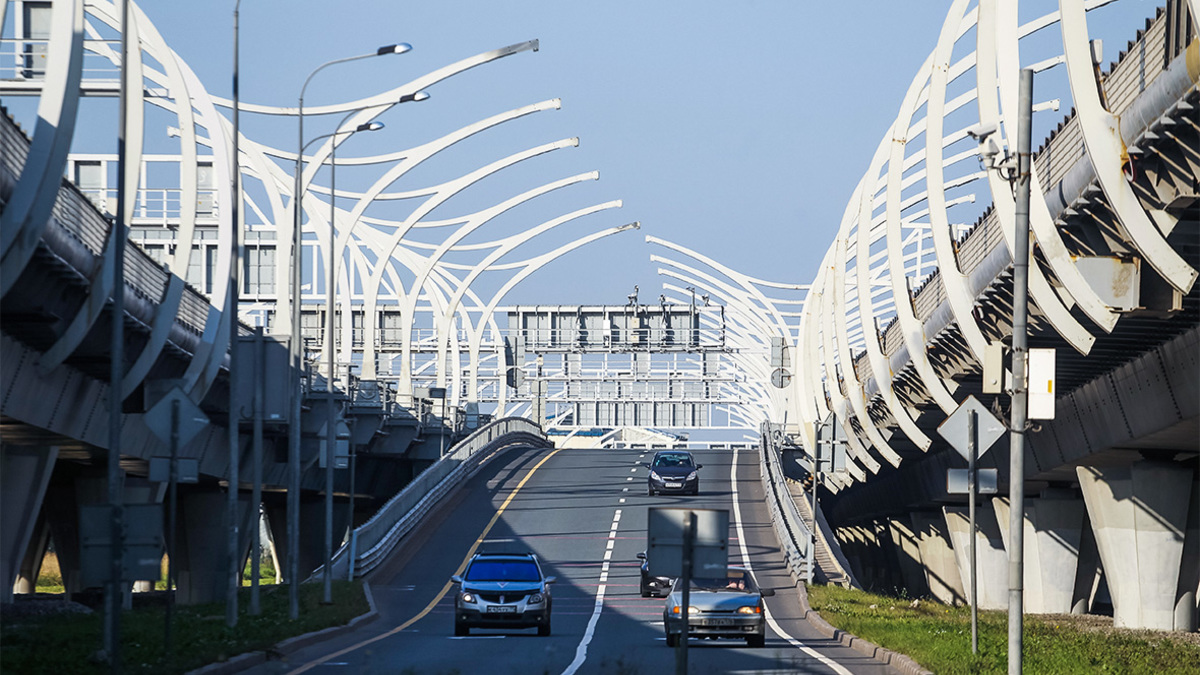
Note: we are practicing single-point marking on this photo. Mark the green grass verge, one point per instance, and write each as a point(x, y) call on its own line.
point(939, 638)
point(65, 643)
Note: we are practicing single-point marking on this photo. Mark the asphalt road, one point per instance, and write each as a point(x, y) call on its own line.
point(584, 513)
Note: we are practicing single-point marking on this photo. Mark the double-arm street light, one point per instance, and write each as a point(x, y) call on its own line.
point(293, 503)
point(331, 420)
point(330, 340)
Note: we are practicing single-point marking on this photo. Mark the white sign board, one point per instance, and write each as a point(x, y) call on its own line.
point(710, 542)
point(988, 428)
point(1041, 384)
point(958, 481)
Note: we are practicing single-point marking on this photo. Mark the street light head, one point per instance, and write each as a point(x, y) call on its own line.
point(393, 49)
point(369, 126)
point(419, 96)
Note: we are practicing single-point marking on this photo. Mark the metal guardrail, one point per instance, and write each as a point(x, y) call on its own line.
point(371, 542)
point(794, 537)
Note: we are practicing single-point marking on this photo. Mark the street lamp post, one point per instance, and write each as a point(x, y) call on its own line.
point(330, 341)
point(293, 503)
point(330, 349)
point(234, 571)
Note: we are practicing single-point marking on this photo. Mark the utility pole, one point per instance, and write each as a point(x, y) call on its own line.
point(1020, 393)
point(233, 550)
point(972, 487)
point(116, 384)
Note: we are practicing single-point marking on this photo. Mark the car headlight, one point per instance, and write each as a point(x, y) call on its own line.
point(750, 609)
point(691, 610)
point(692, 476)
point(468, 598)
point(655, 476)
point(536, 599)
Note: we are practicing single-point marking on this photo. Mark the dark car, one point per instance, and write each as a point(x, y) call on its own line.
point(652, 586)
point(673, 471)
point(729, 606)
point(502, 590)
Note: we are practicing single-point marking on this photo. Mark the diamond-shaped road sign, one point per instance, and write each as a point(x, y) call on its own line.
point(988, 428)
point(191, 418)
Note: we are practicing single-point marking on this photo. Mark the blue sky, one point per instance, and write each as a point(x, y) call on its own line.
point(738, 129)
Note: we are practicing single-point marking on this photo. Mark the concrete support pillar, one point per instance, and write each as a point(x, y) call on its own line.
point(1089, 572)
point(1053, 530)
point(992, 562)
point(850, 540)
point(139, 490)
point(1139, 514)
point(31, 563)
point(881, 556)
point(1187, 603)
point(312, 532)
point(63, 499)
point(24, 475)
point(908, 557)
point(277, 521)
point(201, 542)
point(937, 556)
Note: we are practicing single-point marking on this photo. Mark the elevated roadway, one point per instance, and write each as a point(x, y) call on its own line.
point(584, 513)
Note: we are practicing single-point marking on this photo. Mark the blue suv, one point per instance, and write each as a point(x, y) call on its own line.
point(502, 590)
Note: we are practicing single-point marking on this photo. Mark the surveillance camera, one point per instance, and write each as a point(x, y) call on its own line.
point(981, 131)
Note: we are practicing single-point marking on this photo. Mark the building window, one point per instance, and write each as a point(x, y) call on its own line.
point(258, 270)
point(312, 325)
point(89, 178)
point(195, 268)
point(157, 252)
point(390, 334)
point(36, 17)
point(205, 189)
point(210, 268)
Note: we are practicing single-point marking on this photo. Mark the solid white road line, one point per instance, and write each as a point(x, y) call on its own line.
point(581, 650)
point(737, 519)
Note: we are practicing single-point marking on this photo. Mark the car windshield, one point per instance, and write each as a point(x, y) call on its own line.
point(735, 580)
point(503, 570)
point(673, 459)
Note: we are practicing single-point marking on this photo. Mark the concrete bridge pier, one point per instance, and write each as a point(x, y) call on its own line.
point(140, 490)
point(879, 557)
point(35, 552)
point(908, 557)
point(312, 533)
point(201, 537)
point(1053, 536)
point(65, 495)
point(1142, 516)
point(850, 538)
point(991, 572)
point(937, 557)
point(24, 475)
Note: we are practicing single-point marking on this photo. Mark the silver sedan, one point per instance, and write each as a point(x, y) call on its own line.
point(720, 607)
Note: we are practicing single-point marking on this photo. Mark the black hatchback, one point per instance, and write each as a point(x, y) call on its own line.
point(673, 471)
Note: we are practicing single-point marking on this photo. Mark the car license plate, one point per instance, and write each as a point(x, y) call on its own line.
point(716, 622)
point(673, 485)
point(502, 609)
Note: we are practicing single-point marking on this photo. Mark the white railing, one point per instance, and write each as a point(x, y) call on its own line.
point(371, 542)
point(795, 539)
